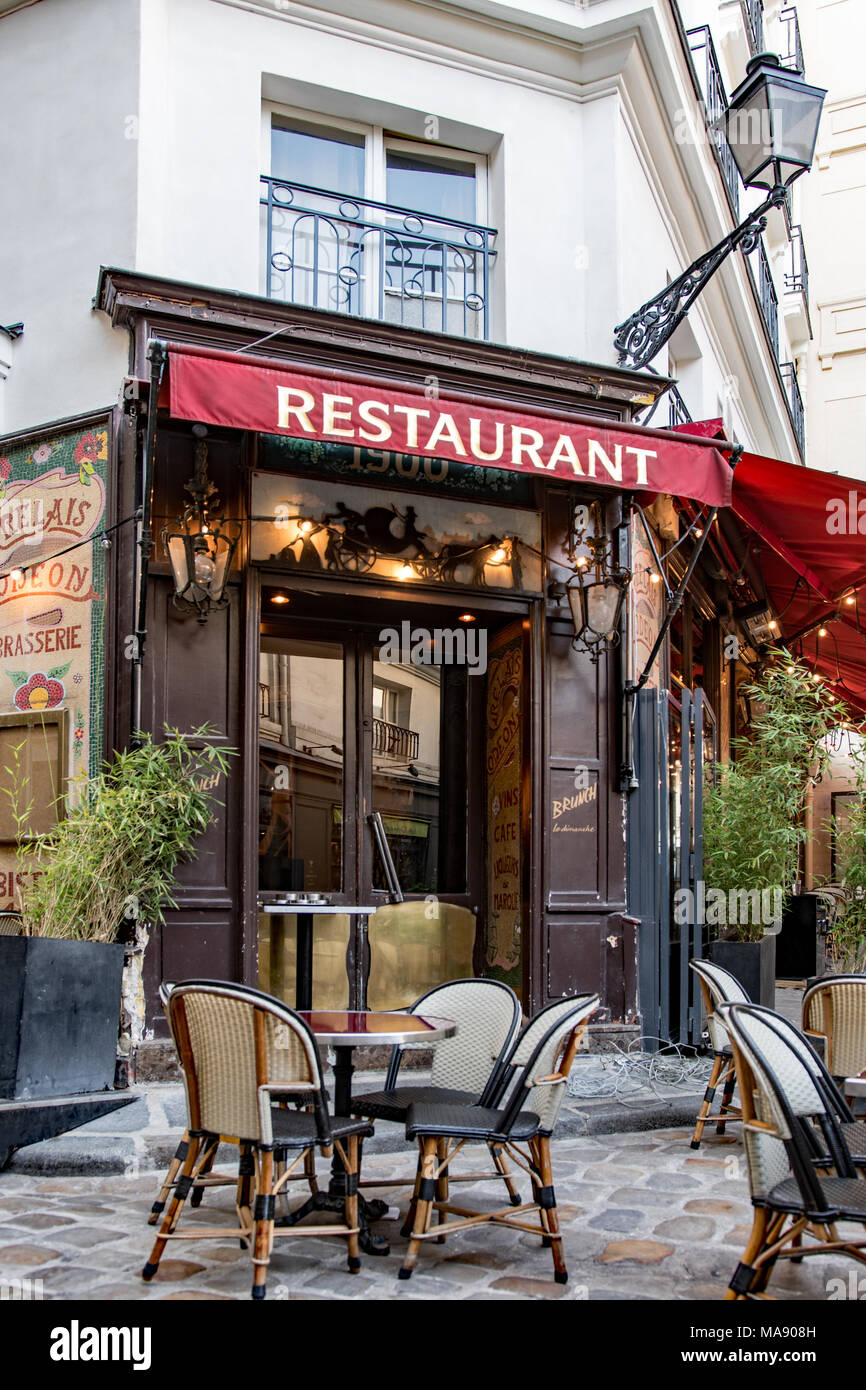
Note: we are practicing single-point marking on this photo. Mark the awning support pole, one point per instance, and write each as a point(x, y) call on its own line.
point(628, 780)
point(158, 356)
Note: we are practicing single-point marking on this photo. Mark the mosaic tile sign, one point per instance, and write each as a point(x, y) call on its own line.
point(52, 592)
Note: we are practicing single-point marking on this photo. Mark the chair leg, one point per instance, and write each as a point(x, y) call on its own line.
point(744, 1274)
point(351, 1209)
point(423, 1205)
point(173, 1169)
point(549, 1217)
point(246, 1173)
point(207, 1165)
point(182, 1187)
point(408, 1225)
point(264, 1218)
point(441, 1183)
point(727, 1097)
point(707, 1103)
point(500, 1163)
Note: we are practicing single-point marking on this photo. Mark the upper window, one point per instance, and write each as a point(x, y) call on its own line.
point(356, 221)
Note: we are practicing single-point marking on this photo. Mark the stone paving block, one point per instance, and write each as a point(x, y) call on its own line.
point(620, 1219)
point(530, 1288)
point(17, 1257)
point(89, 1235)
point(42, 1220)
point(636, 1251)
point(641, 1197)
point(686, 1228)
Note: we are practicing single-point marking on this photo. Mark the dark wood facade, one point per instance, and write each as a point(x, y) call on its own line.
point(579, 937)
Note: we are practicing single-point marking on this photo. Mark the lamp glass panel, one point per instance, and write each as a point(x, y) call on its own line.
point(795, 119)
point(221, 564)
point(575, 603)
point(602, 606)
point(177, 555)
point(750, 135)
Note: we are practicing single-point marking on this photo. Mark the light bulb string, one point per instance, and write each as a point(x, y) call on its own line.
point(102, 534)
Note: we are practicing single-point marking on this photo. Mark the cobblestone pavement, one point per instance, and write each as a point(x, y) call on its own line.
point(644, 1217)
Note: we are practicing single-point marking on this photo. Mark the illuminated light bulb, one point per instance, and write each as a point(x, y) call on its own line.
point(204, 529)
point(815, 676)
point(305, 528)
point(790, 670)
point(405, 572)
point(655, 579)
point(204, 569)
point(467, 617)
point(773, 625)
point(498, 555)
point(851, 600)
point(279, 598)
point(699, 530)
point(822, 632)
point(17, 573)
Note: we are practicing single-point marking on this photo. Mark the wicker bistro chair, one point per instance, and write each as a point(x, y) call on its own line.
point(242, 1051)
point(206, 1177)
point(793, 1201)
point(468, 1068)
point(835, 1008)
point(820, 1142)
point(717, 986)
point(525, 1114)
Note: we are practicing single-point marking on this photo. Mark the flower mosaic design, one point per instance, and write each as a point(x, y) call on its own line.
point(42, 690)
point(5, 474)
point(78, 734)
point(42, 452)
point(90, 448)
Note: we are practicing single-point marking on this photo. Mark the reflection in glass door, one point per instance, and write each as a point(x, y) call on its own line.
point(344, 733)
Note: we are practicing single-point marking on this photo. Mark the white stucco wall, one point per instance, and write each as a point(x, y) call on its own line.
point(68, 91)
point(596, 197)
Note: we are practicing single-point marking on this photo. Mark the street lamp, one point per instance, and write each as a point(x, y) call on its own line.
point(200, 550)
point(596, 593)
point(771, 124)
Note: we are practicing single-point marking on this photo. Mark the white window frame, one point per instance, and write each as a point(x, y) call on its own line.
point(377, 144)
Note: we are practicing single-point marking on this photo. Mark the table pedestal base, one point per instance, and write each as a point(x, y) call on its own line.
point(335, 1197)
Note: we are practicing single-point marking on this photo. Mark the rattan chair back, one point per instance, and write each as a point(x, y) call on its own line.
point(836, 1008)
point(487, 1014)
point(240, 1050)
point(544, 1053)
point(718, 986)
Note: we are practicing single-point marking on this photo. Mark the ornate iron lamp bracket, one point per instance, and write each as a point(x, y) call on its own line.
point(642, 336)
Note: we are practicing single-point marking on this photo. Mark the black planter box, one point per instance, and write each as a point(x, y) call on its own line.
point(59, 1013)
point(799, 945)
point(753, 963)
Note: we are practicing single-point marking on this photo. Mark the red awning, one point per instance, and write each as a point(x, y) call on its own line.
point(807, 531)
point(273, 397)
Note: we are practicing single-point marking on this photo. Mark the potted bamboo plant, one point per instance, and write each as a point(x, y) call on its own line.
point(102, 873)
point(753, 819)
point(848, 936)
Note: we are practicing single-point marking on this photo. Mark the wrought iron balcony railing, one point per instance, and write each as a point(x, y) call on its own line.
point(395, 740)
point(792, 56)
point(715, 104)
point(678, 411)
point(769, 299)
point(753, 14)
point(797, 278)
point(357, 256)
point(795, 403)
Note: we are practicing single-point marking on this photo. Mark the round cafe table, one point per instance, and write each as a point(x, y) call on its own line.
point(344, 1031)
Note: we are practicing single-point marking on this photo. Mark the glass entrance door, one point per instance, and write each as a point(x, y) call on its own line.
point(348, 727)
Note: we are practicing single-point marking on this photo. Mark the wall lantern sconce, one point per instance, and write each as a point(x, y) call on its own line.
point(771, 125)
point(200, 550)
point(596, 593)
